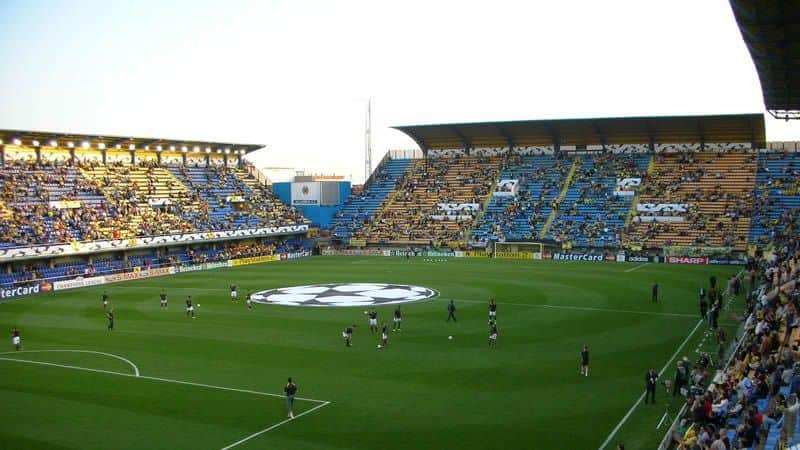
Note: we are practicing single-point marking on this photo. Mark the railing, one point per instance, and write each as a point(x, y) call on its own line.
point(554, 212)
point(405, 154)
point(96, 273)
point(377, 170)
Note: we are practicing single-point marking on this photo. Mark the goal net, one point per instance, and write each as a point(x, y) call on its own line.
point(518, 250)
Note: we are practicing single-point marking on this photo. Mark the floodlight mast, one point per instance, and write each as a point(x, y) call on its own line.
point(368, 143)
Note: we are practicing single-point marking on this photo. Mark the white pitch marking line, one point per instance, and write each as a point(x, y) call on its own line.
point(641, 397)
point(636, 268)
point(259, 433)
point(586, 308)
point(166, 380)
point(135, 369)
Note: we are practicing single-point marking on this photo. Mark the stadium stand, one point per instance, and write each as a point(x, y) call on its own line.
point(435, 203)
point(27, 190)
point(753, 401)
point(147, 198)
point(522, 217)
point(591, 214)
point(709, 198)
point(360, 206)
point(223, 198)
point(777, 197)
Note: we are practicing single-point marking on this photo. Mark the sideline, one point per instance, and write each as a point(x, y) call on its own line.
point(637, 267)
point(641, 397)
point(270, 428)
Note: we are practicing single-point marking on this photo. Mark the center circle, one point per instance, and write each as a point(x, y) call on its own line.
point(344, 294)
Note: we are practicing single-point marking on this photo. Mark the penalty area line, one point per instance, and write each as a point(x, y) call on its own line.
point(641, 397)
point(165, 380)
point(272, 427)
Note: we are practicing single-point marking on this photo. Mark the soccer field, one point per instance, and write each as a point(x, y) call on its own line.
point(208, 383)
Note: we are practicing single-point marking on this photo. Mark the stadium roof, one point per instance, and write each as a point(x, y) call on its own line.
point(584, 132)
point(44, 138)
point(771, 30)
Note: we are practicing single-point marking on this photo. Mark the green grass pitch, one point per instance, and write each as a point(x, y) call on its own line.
point(203, 382)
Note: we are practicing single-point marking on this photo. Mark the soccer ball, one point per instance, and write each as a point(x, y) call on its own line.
point(379, 345)
point(198, 305)
point(450, 337)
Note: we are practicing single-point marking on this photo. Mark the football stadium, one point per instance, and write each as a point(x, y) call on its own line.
point(558, 283)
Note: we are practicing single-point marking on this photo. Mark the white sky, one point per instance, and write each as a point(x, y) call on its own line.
point(296, 75)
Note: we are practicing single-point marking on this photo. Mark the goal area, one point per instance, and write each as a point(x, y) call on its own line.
point(518, 250)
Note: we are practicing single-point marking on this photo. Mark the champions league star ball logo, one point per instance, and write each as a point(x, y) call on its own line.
point(344, 294)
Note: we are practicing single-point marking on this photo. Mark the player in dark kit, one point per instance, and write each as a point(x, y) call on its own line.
point(384, 334)
point(290, 389)
point(110, 315)
point(703, 303)
point(585, 361)
point(347, 334)
point(398, 318)
point(234, 294)
point(651, 380)
point(492, 310)
point(163, 296)
point(493, 335)
point(189, 307)
point(105, 299)
point(373, 321)
point(16, 340)
point(451, 311)
point(655, 292)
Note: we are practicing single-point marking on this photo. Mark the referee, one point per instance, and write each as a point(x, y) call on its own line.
point(290, 389)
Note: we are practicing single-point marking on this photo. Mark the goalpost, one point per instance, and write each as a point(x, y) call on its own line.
point(518, 250)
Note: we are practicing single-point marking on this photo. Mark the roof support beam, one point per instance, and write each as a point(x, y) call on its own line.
point(553, 135)
point(701, 132)
point(464, 140)
point(651, 138)
point(599, 132)
point(506, 135)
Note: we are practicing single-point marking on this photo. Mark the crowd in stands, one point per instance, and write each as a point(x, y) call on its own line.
point(358, 210)
point(717, 187)
point(116, 201)
point(413, 214)
point(777, 200)
point(521, 217)
point(225, 201)
point(754, 401)
point(592, 215)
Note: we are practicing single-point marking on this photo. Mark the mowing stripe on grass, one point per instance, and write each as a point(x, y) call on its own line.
point(584, 308)
point(636, 268)
point(270, 428)
point(641, 397)
point(166, 380)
